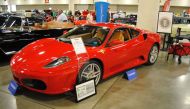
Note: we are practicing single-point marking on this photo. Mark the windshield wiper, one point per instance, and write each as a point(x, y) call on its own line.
point(92, 45)
point(66, 40)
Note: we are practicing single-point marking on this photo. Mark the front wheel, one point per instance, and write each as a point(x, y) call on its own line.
point(90, 70)
point(153, 55)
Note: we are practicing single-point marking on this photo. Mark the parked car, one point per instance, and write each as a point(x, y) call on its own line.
point(18, 31)
point(2, 20)
point(51, 65)
point(5, 16)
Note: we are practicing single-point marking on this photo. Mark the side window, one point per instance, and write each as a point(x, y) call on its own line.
point(119, 36)
point(126, 34)
point(83, 30)
point(134, 33)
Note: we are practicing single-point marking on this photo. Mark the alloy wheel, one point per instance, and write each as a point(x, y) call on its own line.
point(153, 54)
point(91, 71)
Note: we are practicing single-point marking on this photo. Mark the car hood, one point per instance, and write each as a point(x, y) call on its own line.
point(42, 52)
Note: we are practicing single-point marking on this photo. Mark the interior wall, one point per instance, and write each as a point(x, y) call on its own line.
point(83, 2)
point(125, 2)
point(176, 9)
point(41, 7)
point(113, 7)
point(32, 2)
point(148, 14)
point(91, 7)
point(81, 7)
point(4, 8)
point(129, 9)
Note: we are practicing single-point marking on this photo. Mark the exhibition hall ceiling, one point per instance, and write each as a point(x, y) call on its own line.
point(29, 2)
point(184, 3)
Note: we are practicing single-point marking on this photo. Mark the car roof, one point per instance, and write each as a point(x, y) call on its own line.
point(109, 25)
point(116, 25)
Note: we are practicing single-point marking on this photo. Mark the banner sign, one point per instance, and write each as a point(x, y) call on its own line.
point(13, 87)
point(78, 45)
point(166, 6)
point(85, 90)
point(131, 74)
point(165, 21)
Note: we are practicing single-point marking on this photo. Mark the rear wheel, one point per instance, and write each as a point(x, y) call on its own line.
point(153, 55)
point(91, 70)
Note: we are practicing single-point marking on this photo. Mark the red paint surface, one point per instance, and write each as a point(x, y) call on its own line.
point(29, 63)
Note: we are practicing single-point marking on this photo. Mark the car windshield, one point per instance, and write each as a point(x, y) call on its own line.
point(13, 22)
point(2, 20)
point(91, 35)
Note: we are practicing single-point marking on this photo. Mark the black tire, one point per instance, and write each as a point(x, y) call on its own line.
point(81, 79)
point(150, 60)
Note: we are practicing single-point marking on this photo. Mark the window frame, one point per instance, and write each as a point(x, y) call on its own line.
point(132, 34)
point(96, 27)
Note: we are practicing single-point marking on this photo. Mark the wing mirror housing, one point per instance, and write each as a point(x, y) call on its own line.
point(145, 36)
point(114, 42)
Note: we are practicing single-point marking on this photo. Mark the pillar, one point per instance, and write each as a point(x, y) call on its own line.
point(72, 5)
point(148, 14)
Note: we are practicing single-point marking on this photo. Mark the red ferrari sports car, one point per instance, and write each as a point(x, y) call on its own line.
point(51, 65)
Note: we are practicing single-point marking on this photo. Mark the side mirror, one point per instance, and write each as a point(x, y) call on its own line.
point(114, 42)
point(145, 36)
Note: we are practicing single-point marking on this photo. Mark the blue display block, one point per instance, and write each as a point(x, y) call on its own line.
point(131, 74)
point(101, 11)
point(13, 87)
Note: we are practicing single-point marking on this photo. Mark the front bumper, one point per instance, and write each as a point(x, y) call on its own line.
point(47, 83)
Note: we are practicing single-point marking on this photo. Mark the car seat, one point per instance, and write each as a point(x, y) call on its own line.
point(126, 35)
point(99, 34)
point(118, 35)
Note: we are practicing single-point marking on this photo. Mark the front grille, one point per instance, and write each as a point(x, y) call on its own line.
point(34, 83)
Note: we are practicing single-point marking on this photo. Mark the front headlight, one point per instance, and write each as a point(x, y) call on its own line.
point(58, 62)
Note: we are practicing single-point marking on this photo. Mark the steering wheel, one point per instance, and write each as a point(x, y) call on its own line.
point(98, 40)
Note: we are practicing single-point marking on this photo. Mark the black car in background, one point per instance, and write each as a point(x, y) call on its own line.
point(17, 32)
point(2, 20)
point(5, 16)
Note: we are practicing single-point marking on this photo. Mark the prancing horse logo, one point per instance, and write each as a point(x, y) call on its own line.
point(165, 22)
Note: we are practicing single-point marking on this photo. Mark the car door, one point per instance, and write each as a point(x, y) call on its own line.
point(116, 51)
point(126, 54)
point(135, 49)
